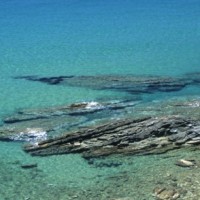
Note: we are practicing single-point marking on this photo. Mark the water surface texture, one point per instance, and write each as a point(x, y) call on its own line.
point(89, 37)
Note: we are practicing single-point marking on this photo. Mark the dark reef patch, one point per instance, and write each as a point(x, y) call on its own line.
point(49, 80)
point(130, 83)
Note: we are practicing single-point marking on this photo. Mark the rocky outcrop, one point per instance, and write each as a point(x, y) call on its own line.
point(128, 136)
point(154, 127)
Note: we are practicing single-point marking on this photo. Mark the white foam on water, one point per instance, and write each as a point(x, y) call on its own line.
point(31, 135)
point(195, 104)
point(93, 105)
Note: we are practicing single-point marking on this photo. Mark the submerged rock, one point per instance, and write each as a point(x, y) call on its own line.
point(189, 108)
point(29, 166)
point(82, 108)
point(185, 163)
point(37, 124)
point(50, 80)
point(130, 83)
point(166, 193)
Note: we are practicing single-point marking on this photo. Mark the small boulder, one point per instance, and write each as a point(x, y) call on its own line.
point(166, 194)
point(185, 163)
point(29, 166)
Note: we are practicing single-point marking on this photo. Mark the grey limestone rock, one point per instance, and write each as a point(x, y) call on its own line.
point(127, 136)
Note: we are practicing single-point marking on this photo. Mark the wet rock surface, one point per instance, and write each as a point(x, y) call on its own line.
point(127, 136)
point(158, 128)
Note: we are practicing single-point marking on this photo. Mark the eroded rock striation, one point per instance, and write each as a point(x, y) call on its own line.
point(103, 128)
point(128, 136)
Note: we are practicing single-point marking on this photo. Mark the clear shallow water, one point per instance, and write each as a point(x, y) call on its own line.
point(92, 37)
point(50, 38)
point(71, 177)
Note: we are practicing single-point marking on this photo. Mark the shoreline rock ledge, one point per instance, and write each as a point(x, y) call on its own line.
point(126, 136)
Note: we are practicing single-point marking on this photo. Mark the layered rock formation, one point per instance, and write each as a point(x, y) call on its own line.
point(128, 136)
point(158, 127)
point(136, 128)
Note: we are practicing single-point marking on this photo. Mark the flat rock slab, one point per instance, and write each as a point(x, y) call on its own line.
point(127, 136)
point(130, 83)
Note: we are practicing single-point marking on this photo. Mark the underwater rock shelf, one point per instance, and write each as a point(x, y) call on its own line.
point(37, 124)
point(130, 83)
point(128, 136)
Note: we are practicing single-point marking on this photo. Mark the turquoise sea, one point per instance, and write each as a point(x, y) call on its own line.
point(90, 37)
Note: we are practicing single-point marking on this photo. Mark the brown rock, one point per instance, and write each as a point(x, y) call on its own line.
point(166, 194)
